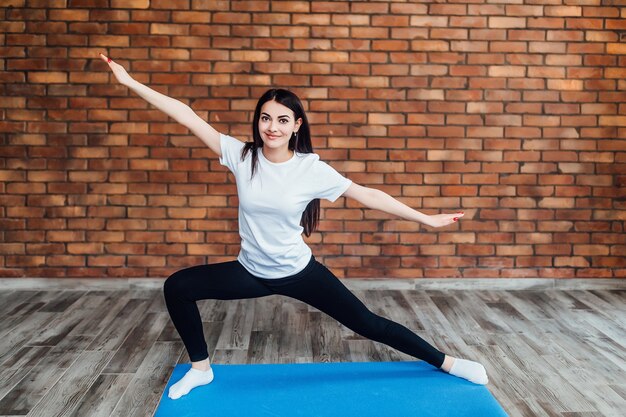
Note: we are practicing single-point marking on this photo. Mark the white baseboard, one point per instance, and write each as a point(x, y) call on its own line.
point(100, 284)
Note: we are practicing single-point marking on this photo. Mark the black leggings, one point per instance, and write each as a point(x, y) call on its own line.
point(314, 285)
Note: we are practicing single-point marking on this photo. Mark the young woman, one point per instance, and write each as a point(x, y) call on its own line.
point(279, 183)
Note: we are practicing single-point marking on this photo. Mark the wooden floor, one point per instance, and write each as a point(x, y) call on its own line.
point(110, 352)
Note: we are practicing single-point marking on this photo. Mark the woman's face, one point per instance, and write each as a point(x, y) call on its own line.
point(277, 124)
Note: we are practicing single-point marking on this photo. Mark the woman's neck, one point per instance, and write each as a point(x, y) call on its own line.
point(277, 156)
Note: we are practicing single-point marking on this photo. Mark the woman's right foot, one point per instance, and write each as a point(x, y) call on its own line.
point(192, 379)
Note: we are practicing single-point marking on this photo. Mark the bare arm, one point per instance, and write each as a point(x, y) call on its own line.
point(176, 109)
point(182, 113)
point(380, 200)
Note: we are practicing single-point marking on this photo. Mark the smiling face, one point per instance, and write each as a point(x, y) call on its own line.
point(276, 125)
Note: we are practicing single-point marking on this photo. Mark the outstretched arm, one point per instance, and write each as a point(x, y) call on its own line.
point(170, 106)
point(380, 200)
point(177, 110)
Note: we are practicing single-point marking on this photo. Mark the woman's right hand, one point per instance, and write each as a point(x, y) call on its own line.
point(118, 70)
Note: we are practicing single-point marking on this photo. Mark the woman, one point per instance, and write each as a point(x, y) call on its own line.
point(279, 183)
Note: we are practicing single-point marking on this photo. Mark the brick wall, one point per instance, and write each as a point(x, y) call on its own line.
point(511, 110)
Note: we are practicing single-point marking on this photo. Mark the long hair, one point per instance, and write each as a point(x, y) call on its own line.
point(300, 143)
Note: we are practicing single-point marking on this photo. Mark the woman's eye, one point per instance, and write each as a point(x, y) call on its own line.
point(265, 118)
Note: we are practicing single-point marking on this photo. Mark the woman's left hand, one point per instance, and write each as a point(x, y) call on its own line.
point(440, 220)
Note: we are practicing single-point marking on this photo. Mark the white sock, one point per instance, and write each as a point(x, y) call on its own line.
point(470, 370)
point(193, 378)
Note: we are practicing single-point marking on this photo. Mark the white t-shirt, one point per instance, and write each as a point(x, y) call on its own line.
point(271, 206)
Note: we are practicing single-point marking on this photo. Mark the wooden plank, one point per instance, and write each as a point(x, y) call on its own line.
point(98, 312)
point(237, 325)
point(294, 318)
point(263, 347)
point(22, 333)
point(63, 301)
point(18, 303)
point(114, 334)
point(66, 394)
point(145, 389)
point(230, 356)
point(326, 342)
point(102, 397)
point(266, 309)
point(37, 382)
point(16, 367)
point(134, 349)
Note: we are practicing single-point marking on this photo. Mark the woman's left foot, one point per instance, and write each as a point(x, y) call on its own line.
point(470, 370)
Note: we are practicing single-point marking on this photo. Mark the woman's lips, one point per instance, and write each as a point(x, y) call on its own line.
point(272, 137)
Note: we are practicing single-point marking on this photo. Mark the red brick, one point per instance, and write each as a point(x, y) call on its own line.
point(475, 250)
point(468, 21)
point(596, 273)
point(608, 261)
point(457, 237)
point(482, 178)
point(572, 11)
point(497, 190)
point(521, 179)
point(506, 22)
point(462, 167)
point(533, 261)
point(518, 202)
point(591, 250)
point(518, 226)
point(423, 45)
point(571, 261)
point(571, 238)
point(601, 11)
point(459, 190)
point(585, 48)
point(516, 250)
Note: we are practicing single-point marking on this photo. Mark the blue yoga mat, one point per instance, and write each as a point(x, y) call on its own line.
point(331, 389)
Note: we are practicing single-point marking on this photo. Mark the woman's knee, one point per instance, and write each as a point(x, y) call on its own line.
point(372, 326)
point(380, 327)
point(175, 285)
